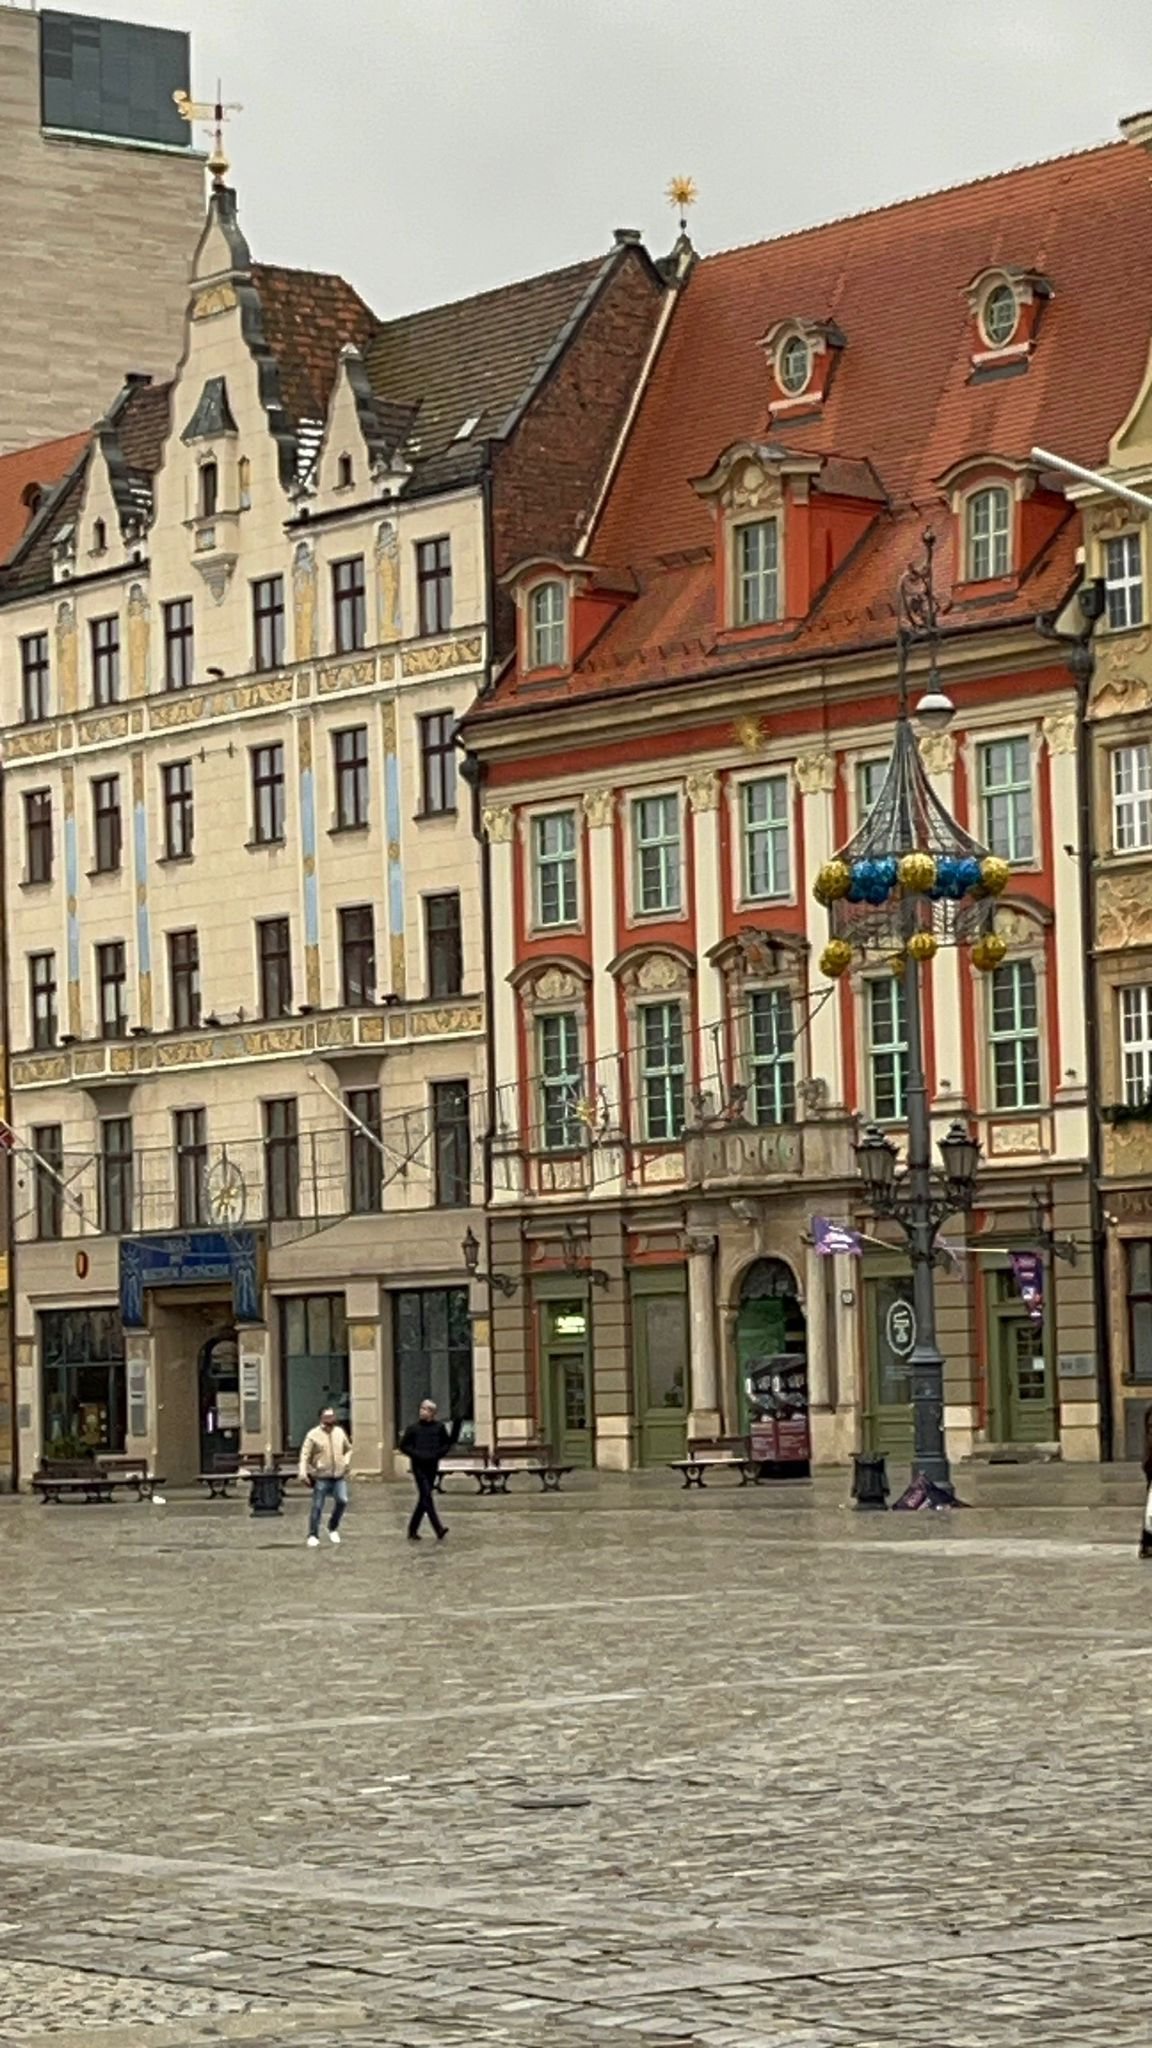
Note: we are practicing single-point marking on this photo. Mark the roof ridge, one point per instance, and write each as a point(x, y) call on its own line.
point(496, 291)
point(836, 220)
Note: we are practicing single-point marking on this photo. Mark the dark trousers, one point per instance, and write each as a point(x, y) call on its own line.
point(425, 1501)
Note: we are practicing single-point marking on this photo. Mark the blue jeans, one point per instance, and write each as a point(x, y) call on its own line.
point(335, 1490)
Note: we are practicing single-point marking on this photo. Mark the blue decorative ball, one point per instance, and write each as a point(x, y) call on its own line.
point(969, 873)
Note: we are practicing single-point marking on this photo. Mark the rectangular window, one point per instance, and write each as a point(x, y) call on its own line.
point(764, 806)
point(314, 1363)
point(274, 952)
point(38, 835)
point(451, 1144)
point(365, 1159)
point(661, 1029)
point(887, 1050)
point(42, 998)
point(176, 789)
point(1132, 798)
point(1015, 1036)
point(554, 868)
point(1138, 1252)
point(350, 763)
point(116, 1178)
point(348, 604)
point(444, 944)
point(1136, 1044)
point(268, 622)
point(757, 574)
point(869, 782)
point(34, 677)
point(184, 979)
point(434, 585)
point(105, 643)
point(1006, 798)
point(656, 841)
point(1124, 581)
point(989, 534)
point(772, 1042)
point(282, 1158)
point(357, 956)
point(547, 626)
point(561, 1081)
point(48, 1145)
point(432, 1346)
point(267, 794)
point(83, 1378)
point(111, 984)
point(437, 763)
point(179, 645)
point(190, 1141)
point(107, 827)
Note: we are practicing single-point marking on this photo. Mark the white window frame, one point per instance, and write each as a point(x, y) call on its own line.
point(1122, 561)
point(1130, 787)
point(775, 830)
point(568, 1079)
point(764, 577)
point(1013, 788)
point(1000, 289)
point(664, 1075)
point(546, 636)
point(1134, 1024)
point(540, 862)
point(863, 766)
point(894, 1048)
point(779, 1065)
point(672, 864)
point(1017, 1035)
point(988, 552)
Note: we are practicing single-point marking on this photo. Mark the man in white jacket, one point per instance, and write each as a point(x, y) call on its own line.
point(325, 1456)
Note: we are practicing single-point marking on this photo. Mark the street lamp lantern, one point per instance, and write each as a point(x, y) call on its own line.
point(471, 1250)
point(961, 1155)
point(935, 709)
point(877, 1157)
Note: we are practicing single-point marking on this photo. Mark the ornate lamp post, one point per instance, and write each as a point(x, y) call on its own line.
point(910, 880)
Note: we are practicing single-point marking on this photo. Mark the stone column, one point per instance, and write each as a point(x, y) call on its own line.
point(483, 1406)
point(1070, 1084)
point(500, 828)
point(816, 781)
point(29, 1418)
point(256, 1391)
point(371, 1445)
point(821, 1380)
point(845, 1328)
point(604, 1078)
point(704, 804)
point(938, 753)
point(704, 1404)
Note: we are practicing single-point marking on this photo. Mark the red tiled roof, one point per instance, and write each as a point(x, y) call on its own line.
point(45, 464)
point(309, 315)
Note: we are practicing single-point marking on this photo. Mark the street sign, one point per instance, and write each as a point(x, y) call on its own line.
point(900, 1328)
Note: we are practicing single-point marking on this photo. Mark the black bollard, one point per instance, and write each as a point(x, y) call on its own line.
point(869, 1480)
point(266, 1493)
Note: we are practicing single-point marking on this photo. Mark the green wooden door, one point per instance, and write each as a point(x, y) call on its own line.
point(1022, 1391)
point(660, 1330)
point(761, 1333)
point(888, 1422)
point(567, 1382)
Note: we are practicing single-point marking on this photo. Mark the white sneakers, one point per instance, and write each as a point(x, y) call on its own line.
point(313, 1543)
point(333, 1535)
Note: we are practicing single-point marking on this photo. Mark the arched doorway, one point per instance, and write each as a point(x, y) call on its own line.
point(219, 1399)
point(772, 1364)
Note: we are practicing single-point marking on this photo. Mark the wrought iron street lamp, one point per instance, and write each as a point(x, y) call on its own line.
point(470, 1250)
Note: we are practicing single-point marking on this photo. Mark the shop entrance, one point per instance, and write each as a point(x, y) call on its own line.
point(888, 1420)
point(1022, 1409)
point(566, 1369)
point(660, 1337)
point(769, 1325)
point(219, 1399)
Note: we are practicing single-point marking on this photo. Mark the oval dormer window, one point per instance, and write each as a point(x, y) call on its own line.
point(547, 626)
point(999, 316)
point(794, 365)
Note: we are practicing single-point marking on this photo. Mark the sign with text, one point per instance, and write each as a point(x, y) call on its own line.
point(900, 1328)
point(832, 1238)
point(191, 1258)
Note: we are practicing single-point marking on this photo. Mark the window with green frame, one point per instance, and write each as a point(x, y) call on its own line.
point(313, 1363)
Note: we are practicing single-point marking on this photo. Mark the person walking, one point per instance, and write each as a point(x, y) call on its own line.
point(425, 1442)
point(1146, 1461)
point(325, 1456)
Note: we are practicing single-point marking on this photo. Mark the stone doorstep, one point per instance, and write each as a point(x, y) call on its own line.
point(1014, 1454)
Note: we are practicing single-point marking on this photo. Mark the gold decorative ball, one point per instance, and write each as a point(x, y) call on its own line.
point(837, 955)
point(995, 874)
point(922, 945)
point(832, 881)
point(988, 952)
point(917, 871)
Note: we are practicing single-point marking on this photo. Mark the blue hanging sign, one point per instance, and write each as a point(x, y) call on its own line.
point(191, 1258)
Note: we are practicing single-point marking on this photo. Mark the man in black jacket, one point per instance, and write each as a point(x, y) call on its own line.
point(425, 1443)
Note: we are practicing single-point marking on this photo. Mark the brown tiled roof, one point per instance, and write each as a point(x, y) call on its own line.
point(476, 356)
point(43, 465)
point(309, 315)
point(139, 420)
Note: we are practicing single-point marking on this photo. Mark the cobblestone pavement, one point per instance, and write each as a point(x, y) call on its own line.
point(627, 1766)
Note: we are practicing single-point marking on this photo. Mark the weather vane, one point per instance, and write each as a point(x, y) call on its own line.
point(682, 194)
point(215, 113)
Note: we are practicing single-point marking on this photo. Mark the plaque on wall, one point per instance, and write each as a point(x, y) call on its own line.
point(137, 1397)
point(250, 1395)
point(1077, 1365)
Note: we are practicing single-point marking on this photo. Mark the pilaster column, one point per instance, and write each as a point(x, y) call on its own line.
point(1069, 1085)
point(816, 781)
point(371, 1440)
point(704, 1416)
point(820, 1383)
point(604, 1074)
point(704, 804)
point(499, 821)
point(845, 1326)
point(938, 753)
point(256, 1434)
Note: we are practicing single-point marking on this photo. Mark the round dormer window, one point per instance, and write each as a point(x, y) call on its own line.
point(794, 365)
point(999, 316)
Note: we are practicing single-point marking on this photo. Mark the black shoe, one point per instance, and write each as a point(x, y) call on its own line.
point(413, 1535)
point(440, 1535)
point(1145, 1544)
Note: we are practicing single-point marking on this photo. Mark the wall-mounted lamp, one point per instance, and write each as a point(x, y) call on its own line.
point(502, 1282)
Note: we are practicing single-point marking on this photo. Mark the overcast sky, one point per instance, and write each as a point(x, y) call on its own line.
point(431, 148)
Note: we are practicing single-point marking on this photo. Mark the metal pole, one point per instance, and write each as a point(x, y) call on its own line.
point(1092, 476)
point(926, 1362)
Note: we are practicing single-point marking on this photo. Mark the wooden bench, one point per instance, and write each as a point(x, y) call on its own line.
point(90, 1480)
point(474, 1462)
point(135, 1472)
point(714, 1454)
point(536, 1458)
point(229, 1469)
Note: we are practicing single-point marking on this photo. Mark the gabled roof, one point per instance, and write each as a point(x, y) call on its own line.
point(43, 465)
point(135, 429)
point(308, 316)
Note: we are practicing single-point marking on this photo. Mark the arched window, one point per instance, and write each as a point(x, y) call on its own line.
point(547, 626)
point(989, 534)
point(209, 489)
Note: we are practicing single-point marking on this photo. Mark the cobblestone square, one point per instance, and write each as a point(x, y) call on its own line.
point(625, 1766)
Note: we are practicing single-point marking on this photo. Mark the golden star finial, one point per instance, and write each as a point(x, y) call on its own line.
point(682, 194)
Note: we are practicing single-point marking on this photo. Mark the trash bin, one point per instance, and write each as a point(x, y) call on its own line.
point(265, 1493)
point(869, 1480)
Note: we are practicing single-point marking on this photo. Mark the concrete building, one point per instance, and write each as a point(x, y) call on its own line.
point(101, 200)
point(246, 951)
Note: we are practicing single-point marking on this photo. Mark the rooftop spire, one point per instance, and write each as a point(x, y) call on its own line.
point(682, 194)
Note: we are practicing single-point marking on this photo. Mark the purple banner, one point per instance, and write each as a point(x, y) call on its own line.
point(830, 1238)
point(1028, 1271)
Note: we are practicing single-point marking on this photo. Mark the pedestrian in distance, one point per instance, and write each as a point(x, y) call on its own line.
point(1146, 1461)
point(425, 1442)
point(325, 1456)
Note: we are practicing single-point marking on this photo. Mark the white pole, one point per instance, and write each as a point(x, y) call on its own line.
point(1092, 476)
point(349, 1114)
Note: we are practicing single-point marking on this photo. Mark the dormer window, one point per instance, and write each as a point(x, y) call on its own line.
point(757, 550)
point(1124, 581)
point(1000, 316)
point(989, 534)
point(209, 489)
point(547, 625)
point(794, 365)
point(1005, 304)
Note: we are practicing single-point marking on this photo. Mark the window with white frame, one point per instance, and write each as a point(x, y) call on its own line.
point(560, 1083)
point(887, 1050)
point(1132, 797)
point(771, 1056)
point(1006, 798)
point(1124, 581)
point(1015, 1036)
point(656, 842)
point(764, 812)
point(869, 781)
point(554, 867)
point(660, 1027)
point(1136, 1043)
point(547, 626)
point(989, 534)
point(757, 549)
